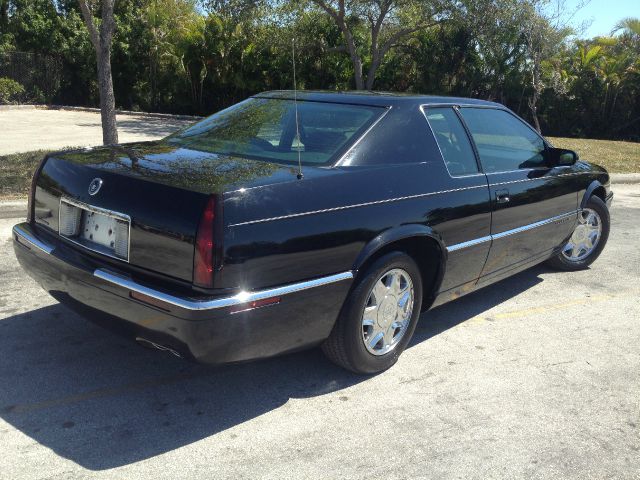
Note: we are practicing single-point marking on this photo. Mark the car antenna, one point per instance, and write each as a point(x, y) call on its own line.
point(295, 103)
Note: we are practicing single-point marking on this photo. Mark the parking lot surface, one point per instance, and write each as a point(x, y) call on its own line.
point(23, 130)
point(535, 377)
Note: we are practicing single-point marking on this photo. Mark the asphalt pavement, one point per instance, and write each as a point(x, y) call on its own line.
point(26, 129)
point(535, 377)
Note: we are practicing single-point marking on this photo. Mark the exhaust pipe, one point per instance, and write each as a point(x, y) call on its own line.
point(149, 344)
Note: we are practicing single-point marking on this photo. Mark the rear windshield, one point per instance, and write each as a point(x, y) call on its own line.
point(265, 129)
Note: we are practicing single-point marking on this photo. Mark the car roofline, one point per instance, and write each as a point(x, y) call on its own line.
point(373, 98)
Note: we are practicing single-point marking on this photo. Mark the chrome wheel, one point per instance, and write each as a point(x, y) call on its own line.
point(585, 237)
point(387, 312)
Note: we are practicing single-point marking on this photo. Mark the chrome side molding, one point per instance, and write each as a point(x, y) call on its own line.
point(356, 205)
point(200, 305)
point(470, 243)
point(506, 233)
point(531, 226)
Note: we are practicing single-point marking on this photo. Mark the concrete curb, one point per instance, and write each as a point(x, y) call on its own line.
point(626, 178)
point(13, 208)
point(17, 107)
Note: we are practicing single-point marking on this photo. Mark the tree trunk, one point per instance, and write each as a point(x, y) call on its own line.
point(355, 58)
point(533, 107)
point(102, 41)
point(373, 68)
point(4, 14)
point(536, 122)
point(537, 89)
point(107, 98)
point(357, 67)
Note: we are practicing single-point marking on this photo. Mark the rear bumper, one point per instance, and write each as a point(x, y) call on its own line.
point(203, 329)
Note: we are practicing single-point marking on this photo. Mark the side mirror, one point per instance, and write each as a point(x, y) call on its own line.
point(561, 157)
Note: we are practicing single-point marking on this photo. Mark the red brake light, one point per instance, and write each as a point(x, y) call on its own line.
point(203, 260)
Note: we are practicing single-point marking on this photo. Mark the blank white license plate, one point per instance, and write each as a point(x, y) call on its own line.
point(95, 228)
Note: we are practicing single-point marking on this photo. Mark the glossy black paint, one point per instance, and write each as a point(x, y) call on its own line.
point(392, 185)
point(208, 337)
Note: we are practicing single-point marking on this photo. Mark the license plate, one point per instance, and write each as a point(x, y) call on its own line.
point(95, 228)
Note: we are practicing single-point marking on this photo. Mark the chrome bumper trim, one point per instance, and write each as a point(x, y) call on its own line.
point(200, 305)
point(27, 240)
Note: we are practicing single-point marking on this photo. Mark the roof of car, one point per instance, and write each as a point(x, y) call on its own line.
point(368, 97)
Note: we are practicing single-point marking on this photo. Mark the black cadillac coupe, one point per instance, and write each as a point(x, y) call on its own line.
point(327, 219)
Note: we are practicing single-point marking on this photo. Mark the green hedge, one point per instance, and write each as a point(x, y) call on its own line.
point(10, 91)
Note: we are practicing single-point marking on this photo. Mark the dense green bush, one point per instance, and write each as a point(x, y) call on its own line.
point(10, 91)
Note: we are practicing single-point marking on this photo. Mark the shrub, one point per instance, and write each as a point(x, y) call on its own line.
point(10, 91)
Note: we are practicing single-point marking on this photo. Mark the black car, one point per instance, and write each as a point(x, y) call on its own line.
point(332, 219)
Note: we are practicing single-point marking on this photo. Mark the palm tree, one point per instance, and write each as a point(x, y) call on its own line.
point(628, 25)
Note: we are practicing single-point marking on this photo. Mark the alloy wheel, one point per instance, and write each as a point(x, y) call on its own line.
point(387, 312)
point(585, 237)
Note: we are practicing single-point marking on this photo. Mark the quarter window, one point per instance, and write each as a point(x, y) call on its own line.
point(453, 141)
point(503, 141)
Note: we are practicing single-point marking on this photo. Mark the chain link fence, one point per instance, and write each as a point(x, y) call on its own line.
point(39, 75)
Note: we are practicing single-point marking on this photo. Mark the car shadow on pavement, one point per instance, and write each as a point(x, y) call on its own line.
point(103, 402)
point(451, 314)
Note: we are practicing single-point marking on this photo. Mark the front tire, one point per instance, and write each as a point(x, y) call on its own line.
point(379, 317)
point(588, 239)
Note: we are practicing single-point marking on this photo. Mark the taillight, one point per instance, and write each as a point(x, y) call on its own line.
point(204, 257)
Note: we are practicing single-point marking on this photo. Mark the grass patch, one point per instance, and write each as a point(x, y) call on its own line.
point(16, 171)
point(615, 156)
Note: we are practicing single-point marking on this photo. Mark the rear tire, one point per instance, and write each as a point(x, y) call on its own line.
point(588, 239)
point(379, 317)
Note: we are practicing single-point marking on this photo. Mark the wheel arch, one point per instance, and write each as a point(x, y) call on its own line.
point(595, 188)
point(420, 242)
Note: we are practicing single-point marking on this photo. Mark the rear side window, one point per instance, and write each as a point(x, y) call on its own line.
point(503, 141)
point(399, 138)
point(453, 141)
point(265, 129)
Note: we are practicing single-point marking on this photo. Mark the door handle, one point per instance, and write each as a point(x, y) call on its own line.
point(502, 196)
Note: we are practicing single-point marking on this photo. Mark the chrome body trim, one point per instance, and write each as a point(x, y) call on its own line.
point(397, 199)
point(102, 211)
point(28, 240)
point(470, 243)
point(495, 106)
point(538, 178)
point(507, 233)
point(532, 169)
point(531, 226)
point(356, 205)
point(238, 299)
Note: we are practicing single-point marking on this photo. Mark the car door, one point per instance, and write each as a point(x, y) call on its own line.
point(534, 206)
point(466, 231)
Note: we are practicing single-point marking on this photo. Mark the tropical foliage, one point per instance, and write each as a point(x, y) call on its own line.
point(10, 91)
point(197, 56)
